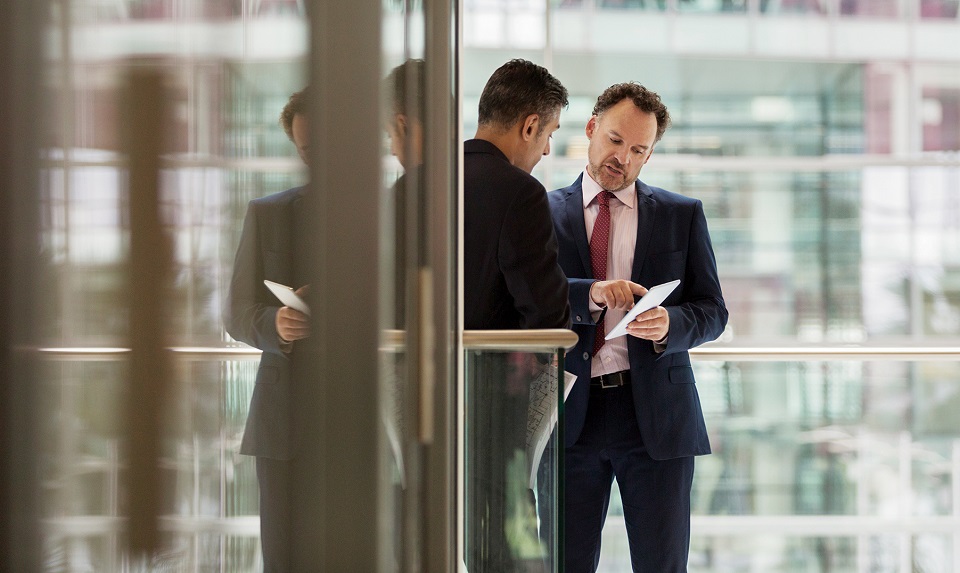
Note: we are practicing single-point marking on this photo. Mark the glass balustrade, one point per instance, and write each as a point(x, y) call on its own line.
point(839, 464)
point(512, 479)
point(836, 465)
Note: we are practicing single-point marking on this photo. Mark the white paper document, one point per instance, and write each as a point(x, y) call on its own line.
point(287, 296)
point(543, 412)
point(653, 298)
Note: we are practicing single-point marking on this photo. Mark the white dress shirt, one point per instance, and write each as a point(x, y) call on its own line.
point(613, 357)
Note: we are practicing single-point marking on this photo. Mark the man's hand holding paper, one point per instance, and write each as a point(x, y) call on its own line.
point(653, 324)
point(647, 319)
point(291, 321)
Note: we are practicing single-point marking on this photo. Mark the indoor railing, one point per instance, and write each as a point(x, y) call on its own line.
point(839, 452)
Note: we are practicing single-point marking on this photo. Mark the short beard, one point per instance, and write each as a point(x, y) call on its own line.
point(599, 175)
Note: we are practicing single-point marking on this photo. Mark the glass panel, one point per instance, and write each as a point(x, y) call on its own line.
point(786, 7)
point(229, 68)
point(941, 119)
point(871, 8)
point(822, 467)
point(789, 554)
point(512, 486)
point(841, 256)
point(406, 267)
point(402, 174)
point(946, 9)
point(223, 148)
point(712, 6)
point(817, 239)
point(208, 481)
point(520, 24)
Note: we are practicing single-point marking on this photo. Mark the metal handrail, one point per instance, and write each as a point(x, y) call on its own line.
point(549, 340)
point(544, 340)
point(827, 353)
point(702, 525)
point(666, 161)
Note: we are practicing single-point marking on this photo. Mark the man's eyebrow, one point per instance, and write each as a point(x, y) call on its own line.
point(614, 133)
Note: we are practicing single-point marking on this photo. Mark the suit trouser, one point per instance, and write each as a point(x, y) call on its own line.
point(655, 493)
point(276, 517)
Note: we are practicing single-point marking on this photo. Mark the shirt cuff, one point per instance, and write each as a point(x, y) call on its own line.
point(661, 345)
point(595, 310)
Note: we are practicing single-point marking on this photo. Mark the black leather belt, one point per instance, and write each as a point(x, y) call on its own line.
point(614, 380)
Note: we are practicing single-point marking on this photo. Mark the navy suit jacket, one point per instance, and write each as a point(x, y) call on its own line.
point(672, 243)
point(266, 251)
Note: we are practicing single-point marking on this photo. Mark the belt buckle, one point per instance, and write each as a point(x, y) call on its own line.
point(615, 382)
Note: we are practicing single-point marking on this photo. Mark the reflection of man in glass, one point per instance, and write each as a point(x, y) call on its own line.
point(511, 281)
point(403, 102)
point(634, 413)
point(268, 250)
point(404, 92)
point(404, 124)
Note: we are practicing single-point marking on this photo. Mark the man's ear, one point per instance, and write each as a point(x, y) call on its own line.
point(530, 127)
point(591, 126)
point(401, 121)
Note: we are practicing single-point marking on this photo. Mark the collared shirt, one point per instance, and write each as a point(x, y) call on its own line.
point(613, 356)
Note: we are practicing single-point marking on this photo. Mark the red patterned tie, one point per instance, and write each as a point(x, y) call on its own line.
point(599, 242)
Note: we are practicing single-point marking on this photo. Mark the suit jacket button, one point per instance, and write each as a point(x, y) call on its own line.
point(579, 319)
point(586, 356)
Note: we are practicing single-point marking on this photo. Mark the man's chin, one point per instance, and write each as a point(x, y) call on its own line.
point(601, 178)
point(612, 185)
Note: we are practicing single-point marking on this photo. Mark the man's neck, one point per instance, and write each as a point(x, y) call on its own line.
point(505, 141)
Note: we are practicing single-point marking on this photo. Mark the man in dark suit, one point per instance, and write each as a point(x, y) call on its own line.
point(268, 250)
point(511, 277)
point(634, 413)
point(511, 281)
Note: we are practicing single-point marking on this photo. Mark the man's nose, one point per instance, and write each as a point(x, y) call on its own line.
point(546, 150)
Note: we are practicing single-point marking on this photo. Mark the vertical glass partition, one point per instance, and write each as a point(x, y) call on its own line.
point(221, 147)
point(228, 68)
point(513, 401)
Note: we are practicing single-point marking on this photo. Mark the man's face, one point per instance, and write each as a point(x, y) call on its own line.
point(301, 136)
point(406, 140)
point(621, 141)
point(539, 144)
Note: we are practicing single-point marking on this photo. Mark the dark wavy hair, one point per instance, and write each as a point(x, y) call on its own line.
point(517, 89)
point(645, 100)
point(296, 104)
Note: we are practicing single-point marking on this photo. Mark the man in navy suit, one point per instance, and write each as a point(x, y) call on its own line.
point(268, 249)
point(634, 413)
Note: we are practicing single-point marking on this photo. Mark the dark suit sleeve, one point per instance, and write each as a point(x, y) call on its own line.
point(528, 260)
point(247, 318)
point(580, 302)
point(702, 314)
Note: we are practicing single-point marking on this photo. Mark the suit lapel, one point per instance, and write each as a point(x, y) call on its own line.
point(574, 213)
point(646, 215)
